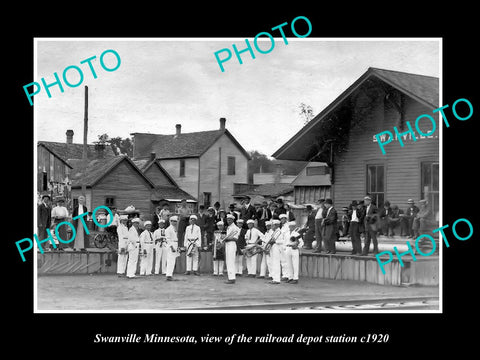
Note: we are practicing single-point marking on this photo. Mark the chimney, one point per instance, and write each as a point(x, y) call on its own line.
point(69, 134)
point(179, 129)
point(222, 123)
point(153, 155)
point(100, 151)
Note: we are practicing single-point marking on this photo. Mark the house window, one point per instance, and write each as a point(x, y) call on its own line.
point(110, 201)
point(376, 183)
point(430, 186)
point(316, 170)
point(231, 165)
point(182, 167)
point(207, 198)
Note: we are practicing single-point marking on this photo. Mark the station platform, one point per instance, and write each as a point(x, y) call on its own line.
point(339, 266)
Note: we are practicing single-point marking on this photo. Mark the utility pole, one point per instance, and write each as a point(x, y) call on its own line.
point(84, 152)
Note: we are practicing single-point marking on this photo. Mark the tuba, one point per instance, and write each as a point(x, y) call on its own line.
point(270, 242)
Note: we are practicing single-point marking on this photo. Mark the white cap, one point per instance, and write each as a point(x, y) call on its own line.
point(275, 222)
point(250, 221)
point(282, 216)
point(193, 217)
point(123, 217)
point(161, 221)
point(230, 216)
point(174, 218)
point(137, 220)
point(268, 222)
point(148, 222)
point(292, 223)
point(220, 223)
point(240, 220)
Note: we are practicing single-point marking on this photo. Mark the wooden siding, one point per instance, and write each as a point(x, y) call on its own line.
point(402, 164)
point(56, 169)
point(127, 186)
point(157, 176)
point(209, 174)
point(189, 182)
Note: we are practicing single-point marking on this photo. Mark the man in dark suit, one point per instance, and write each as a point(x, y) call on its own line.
point(330, 226)
point(310, 228)
point(263, 215)
point(44, 217)
point(355, 216)
point(280, 208)
point(288, 211)
point(371, 225)
point(248, 212)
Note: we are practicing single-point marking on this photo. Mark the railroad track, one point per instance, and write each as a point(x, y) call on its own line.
point(404, 303)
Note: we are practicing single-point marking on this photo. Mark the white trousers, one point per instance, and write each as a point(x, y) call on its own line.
point(239, 264)
point(218, 267)
point(293, 262)
point(266, 265)
point(283, 262)
point(132, 262)
point(146, 261)
point(192, 261)
point(122, 263)
point(251, 264)
point(171, 259)
point(230, 250)
point(275, 254)
point(160, 258)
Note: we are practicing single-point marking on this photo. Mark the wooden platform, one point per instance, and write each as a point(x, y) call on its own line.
point(340, 266)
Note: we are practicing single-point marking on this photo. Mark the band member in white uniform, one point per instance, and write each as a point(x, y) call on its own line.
point(133, 248)
point(292, 252)
point(276, 242)
point(160, 248)
point(266, 265)
point(147, 244)
point(230, 240)
point(219, 249)
point(253, 237)
point(122, 232)
point(192, 242)
point(286, 237)
point(172, 246)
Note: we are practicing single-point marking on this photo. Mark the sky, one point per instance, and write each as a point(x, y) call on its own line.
point(164, 82)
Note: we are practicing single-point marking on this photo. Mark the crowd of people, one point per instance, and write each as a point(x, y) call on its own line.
point(242, 231)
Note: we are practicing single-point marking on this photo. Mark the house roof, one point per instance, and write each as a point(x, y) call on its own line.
point(66, 151)
point(184, 145)
point(271, 190)
point(97, 169)
point(170, 193)
point(145, 164)
point(424, 89)
point(303, 179)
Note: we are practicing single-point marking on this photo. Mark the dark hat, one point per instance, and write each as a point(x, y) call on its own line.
point(246, 197)
point(309, 207)
point(216, 204)
point(386, 203)
point(361, 202)
point(280, 201)
point(354, 203)
point(232, 205)
point(46, 195)
point(328, 201)
point(321, 200)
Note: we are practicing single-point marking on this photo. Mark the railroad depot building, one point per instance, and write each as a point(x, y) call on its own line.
point(343, 136)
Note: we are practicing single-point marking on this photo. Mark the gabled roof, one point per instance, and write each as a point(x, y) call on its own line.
point(145, 164)
point(271, 190)
point(54, 153)
point(424, 89)
point(74, 151)
point(97, 169)
point(184, 145)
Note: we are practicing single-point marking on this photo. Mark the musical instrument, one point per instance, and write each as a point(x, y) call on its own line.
point(270, 242)
point(218, 242)
point(191, 246)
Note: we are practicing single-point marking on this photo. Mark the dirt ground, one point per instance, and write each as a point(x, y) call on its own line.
point(109, 292)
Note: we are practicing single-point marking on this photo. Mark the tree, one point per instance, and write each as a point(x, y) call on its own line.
point(306, 112)
point(118, 145)
point(259, 163)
